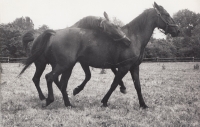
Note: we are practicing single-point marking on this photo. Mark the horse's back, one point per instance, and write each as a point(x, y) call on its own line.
point(87, 46)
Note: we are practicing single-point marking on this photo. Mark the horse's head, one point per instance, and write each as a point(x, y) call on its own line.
point(113, 30)
point(165, 21)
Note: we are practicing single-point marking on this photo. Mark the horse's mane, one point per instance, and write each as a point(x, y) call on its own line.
point(89, 22)
point(139, 22)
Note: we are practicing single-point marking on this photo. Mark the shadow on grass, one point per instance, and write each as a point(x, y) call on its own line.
point(81, 103)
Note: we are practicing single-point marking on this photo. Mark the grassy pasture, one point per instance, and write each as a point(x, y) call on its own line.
point(172, 94)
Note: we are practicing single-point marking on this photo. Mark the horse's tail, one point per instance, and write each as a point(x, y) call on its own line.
point(43, 40)
point(27, 37)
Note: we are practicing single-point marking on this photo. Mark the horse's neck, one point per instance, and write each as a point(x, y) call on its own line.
point(89, 22)
point(141, 29)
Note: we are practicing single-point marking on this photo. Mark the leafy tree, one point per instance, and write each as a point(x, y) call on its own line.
point(23, 23)
point(10, 41)
point(188, 43)
point(160, 48)
point(10, 36)
point(187, 20)
point(196, 31)
point(42, 28)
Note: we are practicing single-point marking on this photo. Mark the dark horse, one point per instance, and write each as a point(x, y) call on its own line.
point(90, 48)
point(101, 25)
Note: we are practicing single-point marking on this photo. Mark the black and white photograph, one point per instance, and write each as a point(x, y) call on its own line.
point(100, 63)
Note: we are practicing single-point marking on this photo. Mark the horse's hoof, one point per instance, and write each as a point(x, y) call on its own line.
point(144, 106)
point(42, 98)
point(44, 106)
point(104, 105)
point(48, 102)
point(123, 91)
point(70, 106)
point(76, 91)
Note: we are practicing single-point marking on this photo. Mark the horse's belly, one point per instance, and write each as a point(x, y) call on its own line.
point(105, 55)
point(97, 61)
point(105, 59)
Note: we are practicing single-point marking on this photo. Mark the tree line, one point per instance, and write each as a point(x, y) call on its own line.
point(186, 45)
point(11, 36)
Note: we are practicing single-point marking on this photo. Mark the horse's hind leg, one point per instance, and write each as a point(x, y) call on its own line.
point(87, 78)
point(50, 77)
point(36, 78)
point(64, 82)
point(121, 83)
point(56, 81)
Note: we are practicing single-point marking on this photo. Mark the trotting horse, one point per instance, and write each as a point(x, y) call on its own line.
point(94, 49)
point(102, 25)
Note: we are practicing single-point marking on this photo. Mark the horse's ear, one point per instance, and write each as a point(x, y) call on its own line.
point(106, 16)
point(156, 5)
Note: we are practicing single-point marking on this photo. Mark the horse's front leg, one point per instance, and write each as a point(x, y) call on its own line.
point(87, 78)
point(121, 83)
point(135, 76)
point(122, 71)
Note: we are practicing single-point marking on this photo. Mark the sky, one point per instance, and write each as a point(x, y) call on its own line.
point(58, 14)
